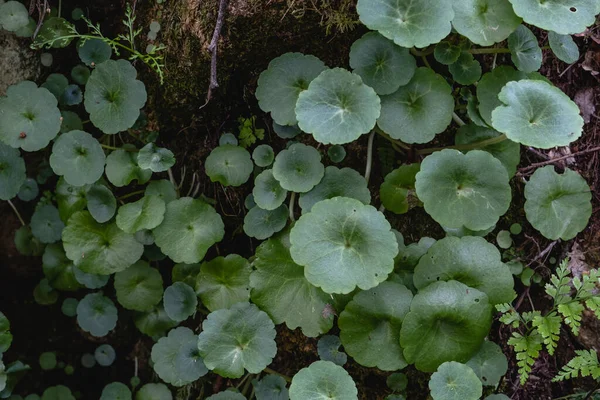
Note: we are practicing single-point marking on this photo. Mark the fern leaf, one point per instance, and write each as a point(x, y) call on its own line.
point(585, 363)
point(572, 315)
point(549, 327)
point(528, 349)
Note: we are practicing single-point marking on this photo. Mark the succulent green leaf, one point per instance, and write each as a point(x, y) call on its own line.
point(155, 323)
point(224, 281)
point(154, 391)
point(298, 168)
point(99, 248)
point(78, 157)
point(70, 122)
point(469, 190)
point(122, 168)
point(46, 224)
point(337, 107)
point(176, 358)
point(323, 380)
point(105, 355)
point(94, 51)
point(286, 131)
point(13, 16)
point(180, 301)
point(113, 97)
point(557, 205)
point(26, 243)
point(162, 188)
point(271, 387)
point(328, 348)
point(116, 391)
point(185, 273)
point(70, 199)
point(262, 224)
point(489, 364)
point(342, 244)
point(370, 326)
point(408, 23)
point(470, 260)
point(139, 287)
point(564, 47)
point(525, 52)
point(30, 117)
point(96, 314)
point(101, 202)
point(12, 171)
point(29, 189)
point(280, 289)
point(154, 158)
point(535, 113)
point(336, 153)
point(446, 53)
point(397, 191)
point(189, 228)
point(408, 256)
point(58, 269)
point(381, 63)
point(146, 213)
point(44, 294)
point(484, 22)
point(282, 82)
point(90, 281)
point(263, 155)
point(71, 96)
point(466, 70)
point(229, 165)
point(56, 84)
point(561, 16)
point(228, 138)
point(80, 74)
point(455, 381)
point(238, 338)
point(416, 112)
point(503, 239)
point(344, 182)
point(268, 193)
point(397, 382)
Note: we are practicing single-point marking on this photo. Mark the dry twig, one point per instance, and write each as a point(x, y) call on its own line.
point(213, 48)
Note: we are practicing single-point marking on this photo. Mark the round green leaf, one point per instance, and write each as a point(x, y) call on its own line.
point(12, 172)
point(154, 391)
point(485, 22)
point(69, 307)
point(162, 188)
point(139, 287)
point(381, 63)
point(96, 314)
point(563, 47)
point(268, 193)
point(507, 151)
point(122, 168)
point(69, 198)
point(397, 191)
point(446, 53)
point(176, 358)
point(59, 392)
point(228, 138)
point(271, 387)
point(146, 213)
point(180, 301)
point(328, 348)
point(370, 326)
point(29, 189)
point(46, 224)
point(415, 113)
point(470, 260)
point(561, 16)
point(185, 273)
point(447, 321)
point(78, 157)
point(189, 228)
point(323, 380)
point(337, 107)
point(489, 364)
point(30, 117)
point(516, 229)
point(101, 202)
point(56, 84)
point(48, 361)
point(70, 122)
point(13, 16)
point(116, 391)
point(80, 74)
point(155, 158)
point(58, 269)
point(94, 51)
point(5, 335)
point(27, 32)
point(229, 165)
point(71, 96)
point(504, 240)
point(298, 168)
point(342, 244)
point(44, 294)
point(99, 248)
point(344, 182)
point(466, 70)
point(227, 395)
point(280, 85)
point(224, 281)
point(469, 190)
point(397, 382)
point(407, 23)
point(287, 131)
point(524, 49)
point(559, 206)
point(280, 289)
point(242, 337)
point(455, 381)
point(26, 243)
point(113, 97)
point(155, 323)
point(105, 355)
point(262, 224)
point(263, 155)
point(336, 153)
point(535, 113)
point(90, 281)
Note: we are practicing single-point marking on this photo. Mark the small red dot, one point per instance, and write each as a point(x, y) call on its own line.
point(22, 135)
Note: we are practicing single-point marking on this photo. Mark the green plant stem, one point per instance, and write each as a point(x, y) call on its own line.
point(247, 385)
point(418, 53)
point(369, 157)
point(128, 195)
point(16, 212)
point(244, 379)
point(457, 119)
point(400, 144)
point(105, 146)
point(466, 147)
point(291, 207)
point(270, 371)
point(426, 62)
point(492, 50)
point(59, 7)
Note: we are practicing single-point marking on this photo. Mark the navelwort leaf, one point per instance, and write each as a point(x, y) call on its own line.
point(334, 241)
point(262, 224)
point(93, 52)
point(455, 381)
point(298, 168)
point(271, 387)
point(154, 391)
point(224, 281)
point(115, 391)
point(122, 168)
point(46, 225)
point(489, 364)
point(154, 158)
point(229, 165)
point(263, 155)
point(96, 314)
point(29, 189)
point(484, 22)
point(323, 380)
point(79, 157)
point(12, 172)
point(466, 70)
point(561, 16)
point(268, 193)
point(237, 339)
point(139, 287)
point(397, 191)
point(525, 51)
point(58, 269)
point(337, 107)
point(146, 213)
point(180, 301)
point(328, 348)
point(13, 16)
point(101, 202)
point(563, 47)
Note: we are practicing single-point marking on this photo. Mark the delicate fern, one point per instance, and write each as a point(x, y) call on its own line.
point(549, 327)
point(528, 349)
point(572, 314)
point(585, 363)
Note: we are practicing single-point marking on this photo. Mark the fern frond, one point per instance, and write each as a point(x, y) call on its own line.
point(572, 314)
point(528, 350)
point(549, 327)
point(585, 363)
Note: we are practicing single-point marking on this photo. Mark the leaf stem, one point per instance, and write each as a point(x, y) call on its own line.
point(492, 50)
point(128, 195)
point(457, 119)
point(16, 212)
point(401, 144)
point(291, 206)
point(466, 147)
point(369, 157)
point(105, 146)
point(270, 371)
point(418, 53)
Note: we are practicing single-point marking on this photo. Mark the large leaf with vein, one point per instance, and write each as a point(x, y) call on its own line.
point(323, 380)
point(79, 157)
point(484, 22)
point(561, 16)
point(526, 54)
point(224, 281)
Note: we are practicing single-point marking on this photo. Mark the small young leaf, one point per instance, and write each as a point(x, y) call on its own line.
point(229, 165)
point(155, 158)
point(96, 314)
point(525, 51)
point(328, 348)
point(323, 379)
point(455, 381)
point(180, 301)
point(139, 287)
